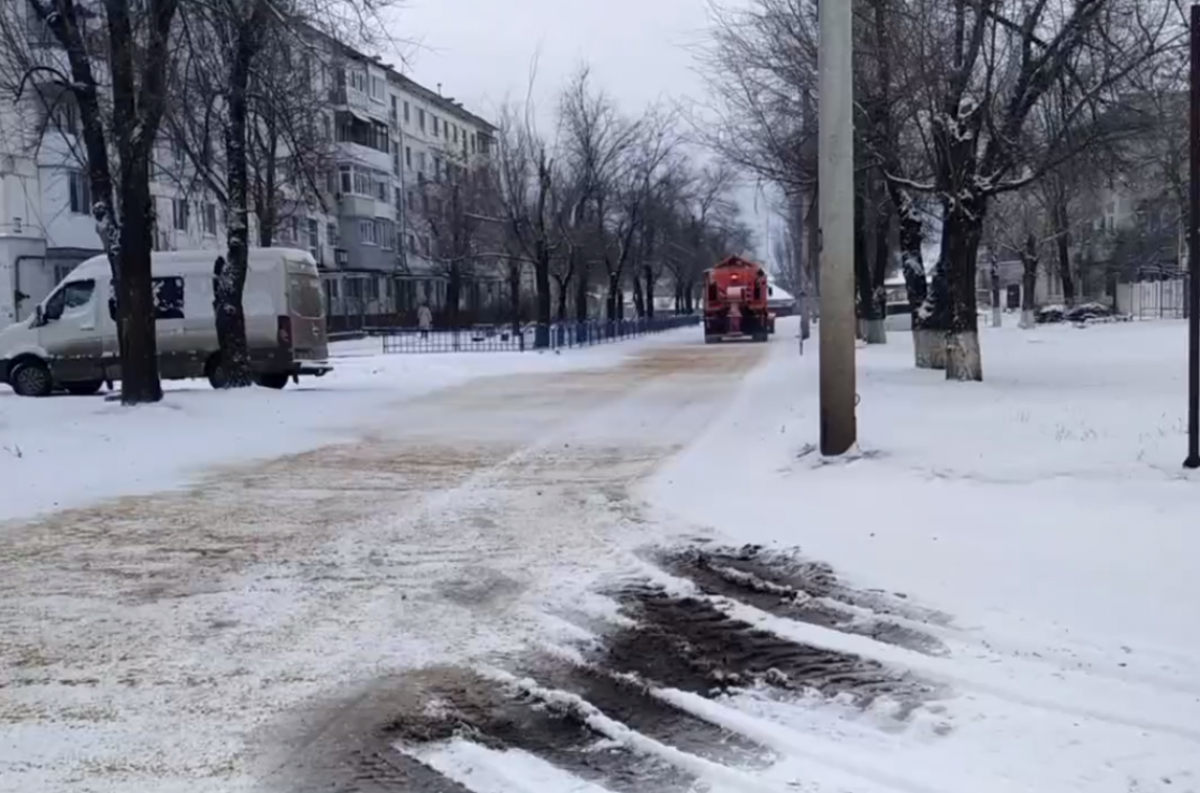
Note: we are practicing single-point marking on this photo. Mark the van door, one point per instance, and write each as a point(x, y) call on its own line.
point(68, 332)
point(306, 313)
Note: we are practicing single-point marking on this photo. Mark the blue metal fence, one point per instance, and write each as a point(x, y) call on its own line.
point(495, 338)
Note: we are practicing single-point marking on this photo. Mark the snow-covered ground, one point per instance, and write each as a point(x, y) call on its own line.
point(1045, 510)
point(539, 581)
point(69, 451)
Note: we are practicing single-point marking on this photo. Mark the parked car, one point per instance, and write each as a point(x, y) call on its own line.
point(70, 343)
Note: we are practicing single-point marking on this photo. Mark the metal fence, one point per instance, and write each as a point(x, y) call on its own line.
point(1160, 298)
point(493, 338)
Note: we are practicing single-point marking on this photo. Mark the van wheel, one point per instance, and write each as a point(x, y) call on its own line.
point(84, 389)
point(274, 380)
point(31, 379)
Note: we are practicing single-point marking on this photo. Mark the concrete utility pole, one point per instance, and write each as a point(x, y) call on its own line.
point(839, 431)
point(1193, 457)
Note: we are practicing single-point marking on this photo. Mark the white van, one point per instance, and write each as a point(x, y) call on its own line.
point(70, 343)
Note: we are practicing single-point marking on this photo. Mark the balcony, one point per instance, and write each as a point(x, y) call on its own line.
point(356, 206)
point(357, 102)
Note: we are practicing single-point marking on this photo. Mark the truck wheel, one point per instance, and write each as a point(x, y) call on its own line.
point(760, 337)
point(273, 380)
point(31, 379)
point(89, 388)
point(711, 339)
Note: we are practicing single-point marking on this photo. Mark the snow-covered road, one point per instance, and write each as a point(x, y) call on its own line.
point(635, 576)
point(146, 640)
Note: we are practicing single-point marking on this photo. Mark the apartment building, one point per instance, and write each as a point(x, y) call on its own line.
point(386, 136)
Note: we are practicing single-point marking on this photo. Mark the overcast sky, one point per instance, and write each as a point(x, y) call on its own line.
point(481, 51)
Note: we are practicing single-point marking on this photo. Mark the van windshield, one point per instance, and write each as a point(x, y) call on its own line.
point(304, 296)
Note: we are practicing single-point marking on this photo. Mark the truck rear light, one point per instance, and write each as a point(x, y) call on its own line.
point(284, 332)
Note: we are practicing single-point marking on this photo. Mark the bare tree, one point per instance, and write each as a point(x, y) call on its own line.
point(119, 115)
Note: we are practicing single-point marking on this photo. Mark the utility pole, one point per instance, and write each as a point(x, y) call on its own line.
point(1193, 458)
point(839, 431)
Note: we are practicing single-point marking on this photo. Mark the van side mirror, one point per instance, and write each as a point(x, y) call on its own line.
point(39, 317)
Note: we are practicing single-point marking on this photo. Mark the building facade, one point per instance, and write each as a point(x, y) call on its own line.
point(385, 136)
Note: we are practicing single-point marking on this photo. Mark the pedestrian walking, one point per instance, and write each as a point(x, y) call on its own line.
point(424, 319)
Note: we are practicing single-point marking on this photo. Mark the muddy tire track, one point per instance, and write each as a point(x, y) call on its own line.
point(666, 640)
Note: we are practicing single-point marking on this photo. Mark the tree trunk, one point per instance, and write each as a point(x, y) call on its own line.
point(912, 239)
point(1060, 217)
point(229, 280)
point(581, 293)
point(962, 231)
point(862, 265)
point(614, 298)
point(541, 275)
point(877, 313)
point(137, 334)
point(639, 300)
point(561, 296)
point(649, 293)
point(1029, 273)
point(454, 294)
point(514, 295)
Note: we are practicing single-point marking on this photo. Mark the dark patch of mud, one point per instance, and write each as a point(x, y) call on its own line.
point(687, 643)
point(463, 705)
point(793, 588)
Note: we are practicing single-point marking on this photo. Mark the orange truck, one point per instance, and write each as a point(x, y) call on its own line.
point(735, 302)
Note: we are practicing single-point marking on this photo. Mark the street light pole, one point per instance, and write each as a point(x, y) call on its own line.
point(839, 431)
point(1193, 458)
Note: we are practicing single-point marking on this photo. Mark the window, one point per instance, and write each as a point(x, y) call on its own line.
point(423, 160)
point(377, 88)
point(456, 133)
point(412, 243)
point(180, 212)
point(407, 115)
point(379, 137)
point(80, 188)
point(392, 113)
point(437, 169)
point(314, 238)
point(425, 245)
point(64, 115)
point(366, 232)
point(473, 144)
point(396, 162)
point(331, 234)
point(421, 118)
point(408, 157)
point(347, 179)
point(381, 190)
point(210, 218)
point(358, 81)
point(435, 126)
point(386, 232)
point(362, 183)
point(67, 300)
point(331, 287)
point(399, 202)
point(168, 298)
point(326, 127)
